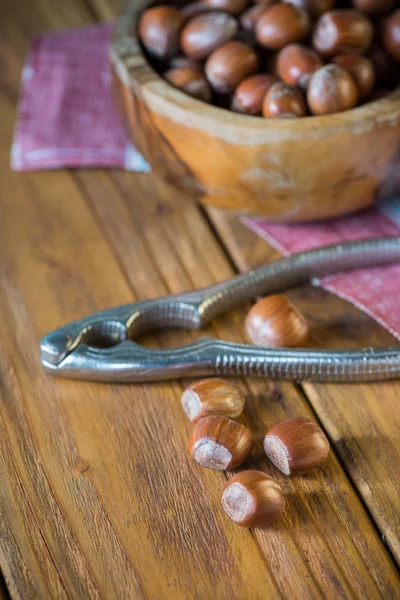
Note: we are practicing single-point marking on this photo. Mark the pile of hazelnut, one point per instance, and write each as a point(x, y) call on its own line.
point(286, 58)
point(253, 498)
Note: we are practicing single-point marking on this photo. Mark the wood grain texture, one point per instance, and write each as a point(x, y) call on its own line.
point(266, 166)
point(157, 216)
point(4, 595)
point(101, 498)
point(362, 420)
point(109, 487)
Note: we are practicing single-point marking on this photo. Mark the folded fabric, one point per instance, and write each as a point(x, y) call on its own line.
point(66, 118)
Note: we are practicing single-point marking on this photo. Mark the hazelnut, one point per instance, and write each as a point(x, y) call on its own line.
point(281, 24)
point(296, 64)
point(212, 397)
point(250, 17)
point(331, 90)
point(296, 445)
point(374, 6)
point(315, 8)
point(391, 35)
point(229, 65)
point(220, 443)
point(159, 29)
point(194, 9)
point(191, 81)
point(203, 34)
point(361, 69)
point(340, 31)
point(253, 499)
point(275, 321)
point(283, 101)
point(231, 6)
point(184, 61)
point(250, 94)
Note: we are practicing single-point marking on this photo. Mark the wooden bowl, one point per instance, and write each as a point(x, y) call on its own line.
point(287, 169)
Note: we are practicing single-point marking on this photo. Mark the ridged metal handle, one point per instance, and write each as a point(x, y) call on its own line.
point(78, 350)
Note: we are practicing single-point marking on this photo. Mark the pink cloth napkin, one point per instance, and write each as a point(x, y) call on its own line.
point(66, 116)
point(66, 119)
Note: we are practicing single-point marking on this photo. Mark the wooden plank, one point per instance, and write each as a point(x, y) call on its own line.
point(362, 420)
point(158, 218)
point(100, 465)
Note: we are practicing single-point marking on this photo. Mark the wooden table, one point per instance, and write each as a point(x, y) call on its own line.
point(98, 497)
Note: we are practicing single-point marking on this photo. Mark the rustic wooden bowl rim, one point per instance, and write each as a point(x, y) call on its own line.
point(133, 68)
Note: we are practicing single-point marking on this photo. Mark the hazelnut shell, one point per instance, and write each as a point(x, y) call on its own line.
point(296, 445)
point(220, 443)
point(274, 321)
point(281, 24)
point(159, 30)
point(341, 31)
point(391, 35)
point(253, 499)
point(284, 101)
point(191, 81)
point(205, 33)
point(212, 396)
point(229, 65)
point(315, 8)
point(231, 6)
point(250, 93)
point(361, 69)
point(331, 90)
point(296, 64)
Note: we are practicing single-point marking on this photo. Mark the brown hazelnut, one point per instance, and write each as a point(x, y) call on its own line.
point(341, 31)
point(231, 6)
point(281, 24)
point(315, 8)
point(253, 499)
point(331, 90)
point(361, 69)
point(283, 101)
point(184, 61)
point(250, 93)
point(220, 443)
point(296, 445)
point(194, 9)
point(391, 35)
point(191, 81)
point(374, 6)
point(212, 397)
point(229, 65)
point(159, 30)
point(203, 34)
point(250, 17)
point(296, 64)
point(275, 321)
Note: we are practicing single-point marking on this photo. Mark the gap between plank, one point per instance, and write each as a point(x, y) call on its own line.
point(4, 593)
